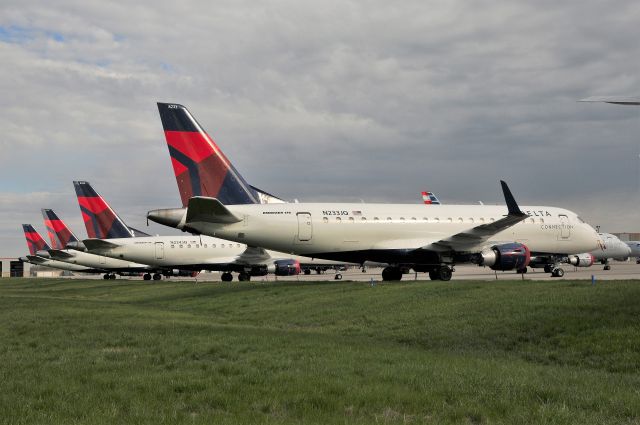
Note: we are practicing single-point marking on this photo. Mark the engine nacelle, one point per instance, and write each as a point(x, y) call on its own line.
point(509, 256)
point(285, 267)
point(582, 260)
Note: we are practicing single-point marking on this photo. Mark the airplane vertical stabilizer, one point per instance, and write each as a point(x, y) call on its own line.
point(59, 234)
point(35, 242)
point(99, 219)
point(200, 167)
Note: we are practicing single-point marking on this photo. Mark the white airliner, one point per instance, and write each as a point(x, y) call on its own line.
point(403, 236)
point(38, 253)
point(61, 237)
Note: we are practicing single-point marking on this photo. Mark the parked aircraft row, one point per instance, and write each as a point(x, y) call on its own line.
point(235, 227)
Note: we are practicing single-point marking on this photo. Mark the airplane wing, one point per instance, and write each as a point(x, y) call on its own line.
point(470, 239)
point(253, 255)
point(209, 210)
point(94, 244)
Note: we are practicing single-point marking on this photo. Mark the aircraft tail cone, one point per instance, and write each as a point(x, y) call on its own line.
point(172, 217)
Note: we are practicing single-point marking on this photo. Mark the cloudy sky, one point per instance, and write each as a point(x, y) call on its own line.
point(333, 100)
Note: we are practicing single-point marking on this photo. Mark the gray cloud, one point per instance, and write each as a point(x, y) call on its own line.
point(331, 101)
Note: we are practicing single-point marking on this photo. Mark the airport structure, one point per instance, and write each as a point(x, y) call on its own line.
point(13, 267)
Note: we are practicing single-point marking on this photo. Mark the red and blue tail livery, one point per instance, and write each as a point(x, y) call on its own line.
point(35, 242)
point(59, 234)
point(200, 167)
point(99, 219)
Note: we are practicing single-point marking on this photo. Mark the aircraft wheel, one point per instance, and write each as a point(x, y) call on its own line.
point(391, 273)
point(244, 277)
point(307, 271)
point(112, 276)
point(157, 276)
point(433, 275)
point(557, 272)
point(146, 276)
point(548, 268)
point(226, 277)
point(105, 277)
point(606, 267)
point(445, 273)
point(338, 276)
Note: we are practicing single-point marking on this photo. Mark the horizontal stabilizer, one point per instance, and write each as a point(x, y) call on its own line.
point(99, 244)
point(59, 254)
point(209, 210)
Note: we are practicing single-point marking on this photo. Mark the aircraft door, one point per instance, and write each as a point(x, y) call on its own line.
point(159, 250)
point(565, 229)
point(305, 228)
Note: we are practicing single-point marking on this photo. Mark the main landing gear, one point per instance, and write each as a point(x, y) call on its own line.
point(554, 270)
point(441, 273)
point(226, 277)
point(148, 276)
point(243, 277)
point(108, 276)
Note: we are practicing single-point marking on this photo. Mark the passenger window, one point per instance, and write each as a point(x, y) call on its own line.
point(205, 245)
point(238, 245)
point(413, 218)
point(471, 220)
point(389, 219)
point(542, 220)
point(189, 246)
point(364, 218)
point(425, 219)
point(375, 218)
point(450, 220)
point(492, 219)
point(180, 245)
point(460, 220)
point(325, 219)
point(401, 218)
point(436, 220)
point(338, 220)
point(173, 246)
point(213, 245)
point(221, 245)
point(532, 220)
point(351, 219)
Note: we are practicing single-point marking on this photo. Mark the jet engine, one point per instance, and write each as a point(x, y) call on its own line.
point(508, 256)
point(582, 260)
point(285, 267)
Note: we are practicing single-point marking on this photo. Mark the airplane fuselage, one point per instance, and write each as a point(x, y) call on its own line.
point(195, 253)
point(393, 233)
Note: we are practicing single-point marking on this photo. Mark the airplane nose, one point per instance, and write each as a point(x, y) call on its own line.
point(171, 217)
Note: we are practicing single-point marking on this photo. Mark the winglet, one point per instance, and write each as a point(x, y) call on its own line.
point(512, 205)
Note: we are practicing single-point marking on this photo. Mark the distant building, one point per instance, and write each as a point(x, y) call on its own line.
point(13, 267)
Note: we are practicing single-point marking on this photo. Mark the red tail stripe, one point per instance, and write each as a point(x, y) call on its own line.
point(93, 204)
point(196, 146)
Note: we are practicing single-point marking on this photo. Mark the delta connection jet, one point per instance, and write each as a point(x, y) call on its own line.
point(62, 238)
point(38, 253)
point(406, 237)
point(202, 169)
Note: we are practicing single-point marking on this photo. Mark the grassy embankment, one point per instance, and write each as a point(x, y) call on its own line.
point(459, 352)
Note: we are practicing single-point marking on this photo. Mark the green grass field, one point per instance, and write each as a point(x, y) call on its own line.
point(420, 352)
